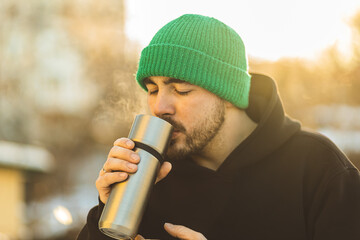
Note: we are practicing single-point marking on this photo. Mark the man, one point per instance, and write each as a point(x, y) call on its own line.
point(238, 167)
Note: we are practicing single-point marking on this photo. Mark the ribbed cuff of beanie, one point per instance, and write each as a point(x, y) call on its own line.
point(227, 81)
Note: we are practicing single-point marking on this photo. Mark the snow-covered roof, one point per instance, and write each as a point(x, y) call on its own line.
point(26, 157)
point(346, 140)
point(341, 123)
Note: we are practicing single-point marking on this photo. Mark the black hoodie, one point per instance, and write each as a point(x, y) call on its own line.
point(279, 183)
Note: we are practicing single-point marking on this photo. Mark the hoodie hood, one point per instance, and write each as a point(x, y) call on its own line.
point(273, 130)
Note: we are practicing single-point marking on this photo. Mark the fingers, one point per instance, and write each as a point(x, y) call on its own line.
point(122, 148)
point(116, 164)
point(121, 161)
point(104, 182)
point(123, 153)
point(110, 178)
point(164, 171)
point(124, 142)
point(182, 232)
point(139, 237)
point(121, 157)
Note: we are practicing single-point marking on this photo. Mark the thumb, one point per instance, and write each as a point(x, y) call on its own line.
point(139, 237)
point(164, 171)
point(183, 232)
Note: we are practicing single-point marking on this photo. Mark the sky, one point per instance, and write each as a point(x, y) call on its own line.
point(269, 29)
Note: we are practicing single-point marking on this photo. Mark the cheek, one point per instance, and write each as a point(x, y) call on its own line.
point(199, 106)
point(190, 112)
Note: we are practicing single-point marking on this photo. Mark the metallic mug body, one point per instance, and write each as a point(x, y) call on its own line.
point(125, 206)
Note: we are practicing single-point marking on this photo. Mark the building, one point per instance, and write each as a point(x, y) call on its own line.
point(15, 160)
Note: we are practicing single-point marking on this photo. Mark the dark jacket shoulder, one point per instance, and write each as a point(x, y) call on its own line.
point(323, 149)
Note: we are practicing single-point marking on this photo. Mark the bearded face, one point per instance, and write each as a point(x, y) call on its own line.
point(188, 140)
point(196, 114)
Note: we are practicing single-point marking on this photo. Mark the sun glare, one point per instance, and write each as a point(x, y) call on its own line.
point(270, 29)
point(63, 215)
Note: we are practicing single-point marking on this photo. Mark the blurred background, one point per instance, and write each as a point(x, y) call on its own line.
point(67, 89)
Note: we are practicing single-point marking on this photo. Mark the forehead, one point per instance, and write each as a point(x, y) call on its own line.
point(163, 80)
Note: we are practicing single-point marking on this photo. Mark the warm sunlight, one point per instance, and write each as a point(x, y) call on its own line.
point(68, 90)
point(270, 29)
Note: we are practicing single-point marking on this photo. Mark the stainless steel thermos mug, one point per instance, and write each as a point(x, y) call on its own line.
point(125, 206)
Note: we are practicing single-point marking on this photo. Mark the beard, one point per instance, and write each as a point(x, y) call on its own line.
point(203, 131)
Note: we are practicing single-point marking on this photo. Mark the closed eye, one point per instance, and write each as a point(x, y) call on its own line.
point(152, 92)
point(182, 93)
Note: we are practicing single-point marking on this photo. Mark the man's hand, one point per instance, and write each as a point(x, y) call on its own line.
point(179, 232)
point(182, 232)
point(121, 161)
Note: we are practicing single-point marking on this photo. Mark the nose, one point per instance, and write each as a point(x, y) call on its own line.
point(162, 104)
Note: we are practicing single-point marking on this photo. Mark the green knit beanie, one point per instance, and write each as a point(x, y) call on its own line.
point(202, 51)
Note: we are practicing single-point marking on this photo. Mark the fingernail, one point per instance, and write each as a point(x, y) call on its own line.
point(131, 166)
point(123, 174)
point(169, 225)
point(135, 157)
point(129, 143)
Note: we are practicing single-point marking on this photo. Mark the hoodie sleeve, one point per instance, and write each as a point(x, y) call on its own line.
point(339, 213)
point(91, 229)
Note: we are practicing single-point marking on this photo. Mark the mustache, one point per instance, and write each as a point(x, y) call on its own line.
point(177, 125)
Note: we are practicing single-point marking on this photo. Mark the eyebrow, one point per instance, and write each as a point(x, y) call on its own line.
point(166, 82)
